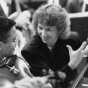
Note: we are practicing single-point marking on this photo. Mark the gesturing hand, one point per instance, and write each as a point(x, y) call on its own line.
point(76, 56)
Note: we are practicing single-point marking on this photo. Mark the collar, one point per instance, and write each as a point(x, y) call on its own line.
point(9, 62)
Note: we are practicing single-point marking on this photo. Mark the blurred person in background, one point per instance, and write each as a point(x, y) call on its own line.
point(30, 4)
point(63, 3)
point(74, 6)
point(7, 7)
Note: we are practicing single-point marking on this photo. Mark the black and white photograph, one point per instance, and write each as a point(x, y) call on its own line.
point(43, 43)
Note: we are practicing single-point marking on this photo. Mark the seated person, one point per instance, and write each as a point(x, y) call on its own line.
point(14, 70)
point(50, 52)
point(12, 67)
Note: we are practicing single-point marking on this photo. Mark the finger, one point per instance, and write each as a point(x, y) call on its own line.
point(86, 49)
point(83, 46)
point(62, 75)
point(69, 48)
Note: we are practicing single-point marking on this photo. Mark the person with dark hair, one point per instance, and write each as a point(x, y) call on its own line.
point(12, 67)
point(50, 51)
point(74, 6)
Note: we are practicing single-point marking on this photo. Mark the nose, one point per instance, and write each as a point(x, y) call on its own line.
point(44, 33)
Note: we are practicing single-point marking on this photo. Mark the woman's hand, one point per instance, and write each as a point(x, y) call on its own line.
point(76, 56)
point(61, 75)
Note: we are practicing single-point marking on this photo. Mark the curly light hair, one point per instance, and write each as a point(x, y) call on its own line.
point(51, 15)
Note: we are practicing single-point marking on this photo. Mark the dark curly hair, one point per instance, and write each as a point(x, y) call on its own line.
point(51, 15)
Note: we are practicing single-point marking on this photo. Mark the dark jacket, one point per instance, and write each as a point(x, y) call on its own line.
point(40, 57)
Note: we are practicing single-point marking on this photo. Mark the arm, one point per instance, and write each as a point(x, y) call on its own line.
point(76, 56)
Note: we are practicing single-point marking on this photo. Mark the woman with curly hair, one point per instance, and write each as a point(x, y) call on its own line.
point(50, 52)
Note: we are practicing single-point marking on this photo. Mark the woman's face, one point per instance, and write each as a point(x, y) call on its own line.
point(48, 34)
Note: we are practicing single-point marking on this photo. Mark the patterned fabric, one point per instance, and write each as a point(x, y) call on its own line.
point(9, 69)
